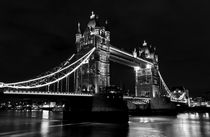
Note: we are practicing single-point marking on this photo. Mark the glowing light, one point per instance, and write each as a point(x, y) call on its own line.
point(1, 84)
point(47, 93)
point(192, 116)
point(207, 115)
point(112, 48)
point(148, 66)
point(144, 120)
point(45, 123)
point(182, 96)
point(86, 62)
point(134, 53)
point(92, 15)
point(136, 68)
point(44, 128)
point(45, 114)
point(196, 114)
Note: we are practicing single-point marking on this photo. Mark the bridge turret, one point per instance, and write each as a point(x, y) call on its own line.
point(94, 75)
point(78, 37)
point(147, 79)
point(92, 22)
point(148, 52)
point(134, 53)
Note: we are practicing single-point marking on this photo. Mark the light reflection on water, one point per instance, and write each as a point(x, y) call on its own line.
point(45, 114)
point(45, 128)
point(195, 124)
point(49, 124)
point(183, 125)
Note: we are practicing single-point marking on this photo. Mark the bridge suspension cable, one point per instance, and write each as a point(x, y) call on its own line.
point(164, 84)
point(181, 97)
point(45, 76)
point(63, 72)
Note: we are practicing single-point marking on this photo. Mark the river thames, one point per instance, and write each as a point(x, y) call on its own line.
point(49, 124)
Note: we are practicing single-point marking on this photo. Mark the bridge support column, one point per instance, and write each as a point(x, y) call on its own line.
point(97, 108)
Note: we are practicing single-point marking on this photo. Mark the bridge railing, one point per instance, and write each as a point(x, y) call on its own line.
point(25, 92)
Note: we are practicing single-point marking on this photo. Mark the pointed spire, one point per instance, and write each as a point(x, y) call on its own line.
point(78, 28)
point(107, 25)
point(140, 52)
point(92, 15)
point(106, 22)
point(134, 53)
point(92, 22)
point(145, 43)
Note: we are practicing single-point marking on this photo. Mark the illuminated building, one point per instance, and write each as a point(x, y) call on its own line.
point(94, 74)
point(147, 79)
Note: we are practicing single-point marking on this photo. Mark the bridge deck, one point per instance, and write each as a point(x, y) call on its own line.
point(46, 93)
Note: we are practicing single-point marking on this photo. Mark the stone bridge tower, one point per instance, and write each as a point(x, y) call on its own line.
point(94, 75)
point(147, 78)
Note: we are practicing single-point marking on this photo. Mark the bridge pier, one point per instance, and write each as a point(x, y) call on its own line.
point(109, 108)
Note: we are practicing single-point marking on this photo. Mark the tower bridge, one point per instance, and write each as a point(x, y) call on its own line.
point(90, 66)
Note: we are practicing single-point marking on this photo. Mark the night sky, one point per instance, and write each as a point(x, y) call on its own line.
point(38, 35)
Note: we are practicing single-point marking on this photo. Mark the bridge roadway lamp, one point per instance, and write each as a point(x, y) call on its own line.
point(136, 68)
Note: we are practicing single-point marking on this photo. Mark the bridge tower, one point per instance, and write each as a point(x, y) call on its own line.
point(93, 75)
point(147, 79)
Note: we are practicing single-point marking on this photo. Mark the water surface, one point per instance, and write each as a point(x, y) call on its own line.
point(49, 124)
